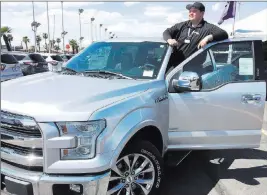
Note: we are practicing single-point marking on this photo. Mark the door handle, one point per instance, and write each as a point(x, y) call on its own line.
point(251, 98)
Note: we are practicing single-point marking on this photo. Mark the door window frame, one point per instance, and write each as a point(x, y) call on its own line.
point(173, 74)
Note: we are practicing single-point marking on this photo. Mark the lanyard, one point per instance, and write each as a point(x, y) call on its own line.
point(188, 34)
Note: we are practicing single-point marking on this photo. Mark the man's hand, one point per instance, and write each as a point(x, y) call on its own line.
point(172, 42)
point(205, 41)
point(202, 43)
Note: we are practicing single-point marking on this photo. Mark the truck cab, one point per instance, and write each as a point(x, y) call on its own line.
point(104, 124)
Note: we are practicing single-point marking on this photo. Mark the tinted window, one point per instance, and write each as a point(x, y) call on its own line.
point(44, 57)
point(57, 58)
point(19, 57)
point(133, 59)
point(36, 58)
point(8, 59)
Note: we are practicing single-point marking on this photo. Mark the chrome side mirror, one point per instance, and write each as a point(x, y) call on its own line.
point(188, 81)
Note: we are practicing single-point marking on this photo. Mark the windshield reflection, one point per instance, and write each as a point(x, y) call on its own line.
point(139, 60)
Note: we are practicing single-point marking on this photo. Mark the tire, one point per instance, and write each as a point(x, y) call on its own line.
point(145, 153)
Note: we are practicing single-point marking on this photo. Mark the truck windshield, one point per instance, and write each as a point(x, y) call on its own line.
point(139, 60)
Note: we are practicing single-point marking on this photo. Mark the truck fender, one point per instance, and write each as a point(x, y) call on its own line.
point(128, 127)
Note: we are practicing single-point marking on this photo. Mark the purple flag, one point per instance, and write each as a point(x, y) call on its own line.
point(229, 11)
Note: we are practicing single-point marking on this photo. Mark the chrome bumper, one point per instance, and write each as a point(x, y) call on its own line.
point(42, 183)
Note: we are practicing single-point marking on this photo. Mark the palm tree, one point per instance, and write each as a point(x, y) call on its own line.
point(57, 48)
point(52, 43)
point(10, 38)
point(38, 40)
point(26, 40)
point(73, 43)
point(58, 41)
point(3, 32)
point(45, 36)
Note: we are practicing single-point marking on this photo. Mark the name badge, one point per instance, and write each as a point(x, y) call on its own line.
point(187, 41)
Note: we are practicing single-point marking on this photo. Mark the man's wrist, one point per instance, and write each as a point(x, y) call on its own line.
point(209, 38)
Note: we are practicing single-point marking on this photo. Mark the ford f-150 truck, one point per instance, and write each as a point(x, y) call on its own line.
point(104, 123)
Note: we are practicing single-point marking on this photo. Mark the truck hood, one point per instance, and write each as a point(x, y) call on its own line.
point(54, 97)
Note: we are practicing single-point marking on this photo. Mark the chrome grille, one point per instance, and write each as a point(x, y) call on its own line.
point(21, 140)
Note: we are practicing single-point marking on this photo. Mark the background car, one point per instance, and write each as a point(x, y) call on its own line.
point(31, 63)
point(55, 61)
point(10, 67)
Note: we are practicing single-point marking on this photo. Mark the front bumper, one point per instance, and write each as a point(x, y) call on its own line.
point(42, 184)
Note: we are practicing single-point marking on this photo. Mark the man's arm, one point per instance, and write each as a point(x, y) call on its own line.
point(217, 33)
point(171, 32)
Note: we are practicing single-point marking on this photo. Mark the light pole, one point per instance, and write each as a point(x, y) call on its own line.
point(49, 50)
point(92, 20)
point(34, 26)
point(80, 12)
point(100, 30)
point(63, 31)
point(106, 32)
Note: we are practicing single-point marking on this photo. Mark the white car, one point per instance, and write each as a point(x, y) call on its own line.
point(55, 61)
point(10, 67)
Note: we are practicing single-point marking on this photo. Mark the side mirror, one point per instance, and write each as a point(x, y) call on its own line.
point(188, 81)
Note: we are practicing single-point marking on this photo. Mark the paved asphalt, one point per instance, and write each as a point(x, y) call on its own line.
point(221, 172)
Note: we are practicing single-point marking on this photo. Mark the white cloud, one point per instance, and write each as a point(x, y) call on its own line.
point(216, 7)
point(128, 4)
point(156, 11)
point(173, 18)
point(72, 4)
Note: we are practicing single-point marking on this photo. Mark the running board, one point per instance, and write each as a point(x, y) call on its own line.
point(174, 158)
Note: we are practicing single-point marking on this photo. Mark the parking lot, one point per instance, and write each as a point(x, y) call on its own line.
point(220, 172)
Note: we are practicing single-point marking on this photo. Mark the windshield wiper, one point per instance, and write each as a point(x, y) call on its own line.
point(68, 69)
point(107, 72)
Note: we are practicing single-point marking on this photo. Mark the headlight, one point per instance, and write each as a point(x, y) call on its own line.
point(86, 134)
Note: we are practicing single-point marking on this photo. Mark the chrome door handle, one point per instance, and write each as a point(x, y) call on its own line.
point(249, 98)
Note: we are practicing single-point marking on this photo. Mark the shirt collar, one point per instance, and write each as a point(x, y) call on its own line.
point(189, 24)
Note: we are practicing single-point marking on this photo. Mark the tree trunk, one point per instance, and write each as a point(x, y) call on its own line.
point(7, 42)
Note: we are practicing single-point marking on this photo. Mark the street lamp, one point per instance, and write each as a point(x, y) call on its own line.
point(80, 12)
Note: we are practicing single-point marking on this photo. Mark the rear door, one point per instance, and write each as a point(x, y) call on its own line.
point(228, 111)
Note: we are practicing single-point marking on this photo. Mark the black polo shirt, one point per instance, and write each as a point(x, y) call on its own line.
point(184, 31)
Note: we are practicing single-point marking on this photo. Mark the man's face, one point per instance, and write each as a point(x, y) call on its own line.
point(195, 14)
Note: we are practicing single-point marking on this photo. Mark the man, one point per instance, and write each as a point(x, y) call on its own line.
point(191, 35)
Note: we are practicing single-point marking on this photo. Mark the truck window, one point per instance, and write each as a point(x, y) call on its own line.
point(224, 63)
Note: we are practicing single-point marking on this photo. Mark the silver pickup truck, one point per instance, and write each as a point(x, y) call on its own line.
point(104, 123)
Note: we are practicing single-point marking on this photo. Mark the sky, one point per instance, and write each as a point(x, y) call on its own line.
point(122, 18)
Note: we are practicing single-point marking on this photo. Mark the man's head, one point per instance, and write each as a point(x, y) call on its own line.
point(196, 11)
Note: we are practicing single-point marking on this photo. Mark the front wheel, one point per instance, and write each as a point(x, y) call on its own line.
point(139, 171)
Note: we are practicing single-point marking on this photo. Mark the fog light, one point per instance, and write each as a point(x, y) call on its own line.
point(76, 188)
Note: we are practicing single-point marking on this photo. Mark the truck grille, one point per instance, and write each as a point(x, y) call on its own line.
point(21, 141)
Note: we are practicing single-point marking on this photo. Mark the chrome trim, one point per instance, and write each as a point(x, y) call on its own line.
point(10, 155)
point(20, 140)
point(42, 183)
